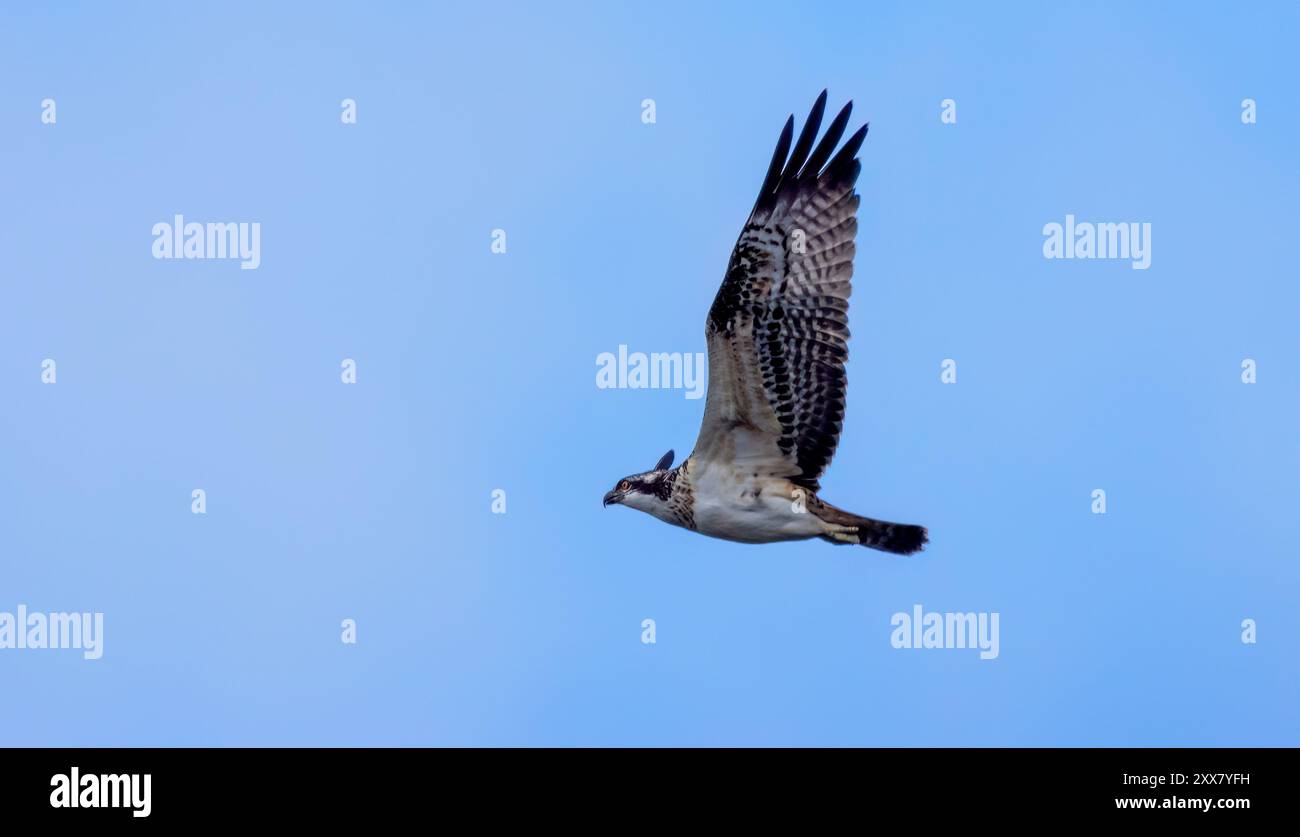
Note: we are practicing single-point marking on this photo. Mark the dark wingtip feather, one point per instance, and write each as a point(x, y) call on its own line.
point(849, 150)
point(824, 148)
point(811, 126)
point(767, 193)
point(789, 168)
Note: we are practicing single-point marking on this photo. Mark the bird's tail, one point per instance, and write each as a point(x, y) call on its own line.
point(898, 538)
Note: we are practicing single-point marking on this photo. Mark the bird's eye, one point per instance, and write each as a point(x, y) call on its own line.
point(624, 485)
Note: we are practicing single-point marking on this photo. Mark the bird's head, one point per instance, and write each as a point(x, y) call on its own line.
point(644, 492)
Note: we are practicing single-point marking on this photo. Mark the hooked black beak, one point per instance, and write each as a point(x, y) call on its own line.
point(611, 497)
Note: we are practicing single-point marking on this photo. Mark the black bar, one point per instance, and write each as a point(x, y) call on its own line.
point(331, 786)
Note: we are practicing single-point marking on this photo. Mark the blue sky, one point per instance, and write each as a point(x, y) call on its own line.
point(476, 371)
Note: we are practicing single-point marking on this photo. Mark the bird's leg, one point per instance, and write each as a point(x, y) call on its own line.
point(843, 534)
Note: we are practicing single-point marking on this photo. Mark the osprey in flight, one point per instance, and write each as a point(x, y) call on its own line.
point(777, 336)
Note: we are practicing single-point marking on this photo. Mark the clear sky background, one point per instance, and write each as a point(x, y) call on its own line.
point(476, 371)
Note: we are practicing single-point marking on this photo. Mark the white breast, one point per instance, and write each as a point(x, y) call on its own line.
point(739, 506)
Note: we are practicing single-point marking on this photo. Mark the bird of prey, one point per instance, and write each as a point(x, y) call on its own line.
point(777, 335)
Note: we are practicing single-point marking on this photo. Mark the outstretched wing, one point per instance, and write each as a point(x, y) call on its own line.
point(778, 329)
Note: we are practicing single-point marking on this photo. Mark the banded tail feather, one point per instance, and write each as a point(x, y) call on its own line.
point(898, 538)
